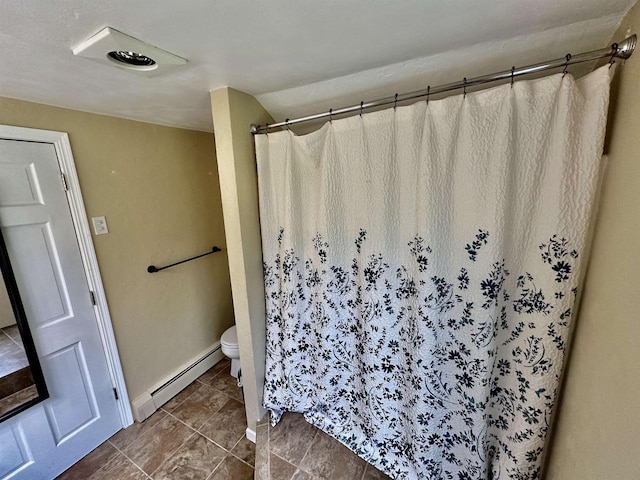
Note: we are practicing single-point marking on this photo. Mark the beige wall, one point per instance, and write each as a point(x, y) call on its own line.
point(597, 434)
point(6, 312)
point(158, 188)
point(233, 112)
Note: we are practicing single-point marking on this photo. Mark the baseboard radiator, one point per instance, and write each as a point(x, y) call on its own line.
point(146, 404)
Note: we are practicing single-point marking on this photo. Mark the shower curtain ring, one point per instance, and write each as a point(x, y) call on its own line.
point(614, 50)
point(428, 93)
point(464, 86)
point(286, 121)
point(266, 129)
point(395, 102)
point(361, 107)
point(566, 64)
point(330, 115)
point(513, 69)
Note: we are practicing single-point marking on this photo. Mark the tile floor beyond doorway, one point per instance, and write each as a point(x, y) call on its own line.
point(199, 434)
point(12, 353)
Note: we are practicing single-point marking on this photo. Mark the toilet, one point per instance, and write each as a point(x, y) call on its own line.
point(229, 343)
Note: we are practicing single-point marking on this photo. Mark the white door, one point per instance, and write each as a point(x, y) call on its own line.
point(81, 412)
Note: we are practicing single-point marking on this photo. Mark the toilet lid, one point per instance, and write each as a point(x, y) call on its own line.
point(230, 337)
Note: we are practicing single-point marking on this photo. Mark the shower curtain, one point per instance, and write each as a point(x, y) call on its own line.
point(421, 268)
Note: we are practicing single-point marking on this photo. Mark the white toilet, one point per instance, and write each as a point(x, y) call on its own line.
point(229, 343)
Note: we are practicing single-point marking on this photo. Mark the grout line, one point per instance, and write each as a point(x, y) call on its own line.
point(209, 417)
point(268, 451)
point(308, 448)
point(236, 444)
point(364, 472)
point(12, 339)
point(202, 434)
point(222, 391)
point(173, 453)
point(222, 461)
point(216, 467)
point(214, 470)
point(127, 457)
point(193, 428)
point(238, 458)
point(290, 463)
point(194, 432)
point(231, 452)
point(216, 443)
point(176, 407)
point(182, 422)
point(296, 467)
point(146, 433)
point(201, 383)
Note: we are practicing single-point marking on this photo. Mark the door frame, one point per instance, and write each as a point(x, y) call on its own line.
point(60, 140)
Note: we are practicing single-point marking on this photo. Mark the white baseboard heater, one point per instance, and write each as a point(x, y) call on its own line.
point(146, 404)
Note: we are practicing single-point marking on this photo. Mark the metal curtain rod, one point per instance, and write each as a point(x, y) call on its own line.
point(623, 50)
point(154, 269)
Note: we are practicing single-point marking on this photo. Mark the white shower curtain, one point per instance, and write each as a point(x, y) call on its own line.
point(421, 268)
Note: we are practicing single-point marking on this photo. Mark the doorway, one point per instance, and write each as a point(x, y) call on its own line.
point(50, 250)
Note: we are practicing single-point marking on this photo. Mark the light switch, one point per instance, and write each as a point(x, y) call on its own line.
point(100, 225)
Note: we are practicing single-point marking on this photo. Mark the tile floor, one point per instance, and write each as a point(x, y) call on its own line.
point(199, 434)
point(296, 450)
point(16, 382)
point(12, 356)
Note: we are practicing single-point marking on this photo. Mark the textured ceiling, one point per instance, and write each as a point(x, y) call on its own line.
point(296, 56)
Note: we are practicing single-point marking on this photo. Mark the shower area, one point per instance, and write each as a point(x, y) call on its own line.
point(422, 267)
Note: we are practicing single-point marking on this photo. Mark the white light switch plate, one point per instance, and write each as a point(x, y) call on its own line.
point(100, 225)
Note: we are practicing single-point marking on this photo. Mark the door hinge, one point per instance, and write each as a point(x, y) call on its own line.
point(115, 393)
point(64, 182)
point(93, 297)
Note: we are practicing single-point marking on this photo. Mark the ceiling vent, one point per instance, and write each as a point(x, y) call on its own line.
point(111, 47)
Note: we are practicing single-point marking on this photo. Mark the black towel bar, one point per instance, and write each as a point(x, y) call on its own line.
point(154, 269)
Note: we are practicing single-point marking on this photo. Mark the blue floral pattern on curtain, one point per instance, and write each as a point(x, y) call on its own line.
point(413, 370)
point(421, 268)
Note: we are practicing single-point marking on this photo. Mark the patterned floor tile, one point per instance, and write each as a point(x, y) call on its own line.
point(227, 385)
point(90, 464)
point(195, 460)
point(220, 367)
point(121, 468)
point(200, 406)
point(158, 443)
point(291, 438)
point(181, 397)
point(227, 426)
point(329, 459)
point(232, 469)
point(245, 450)
point(280, 469)
point(372, 473)
point(124, 438)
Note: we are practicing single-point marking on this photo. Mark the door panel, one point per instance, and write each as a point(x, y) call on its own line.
point(15, 455)
point(47, 300)
point(81, 412)
point(17, 186)
point(76, 406)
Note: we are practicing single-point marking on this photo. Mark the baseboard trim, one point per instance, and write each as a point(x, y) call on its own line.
point(143, 407)
point(251, 435)
point(146, 404)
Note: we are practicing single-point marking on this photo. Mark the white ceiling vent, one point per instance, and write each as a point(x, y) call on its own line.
point(111, 47)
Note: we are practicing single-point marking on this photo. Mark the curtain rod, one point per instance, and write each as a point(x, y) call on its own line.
point(622, 50)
